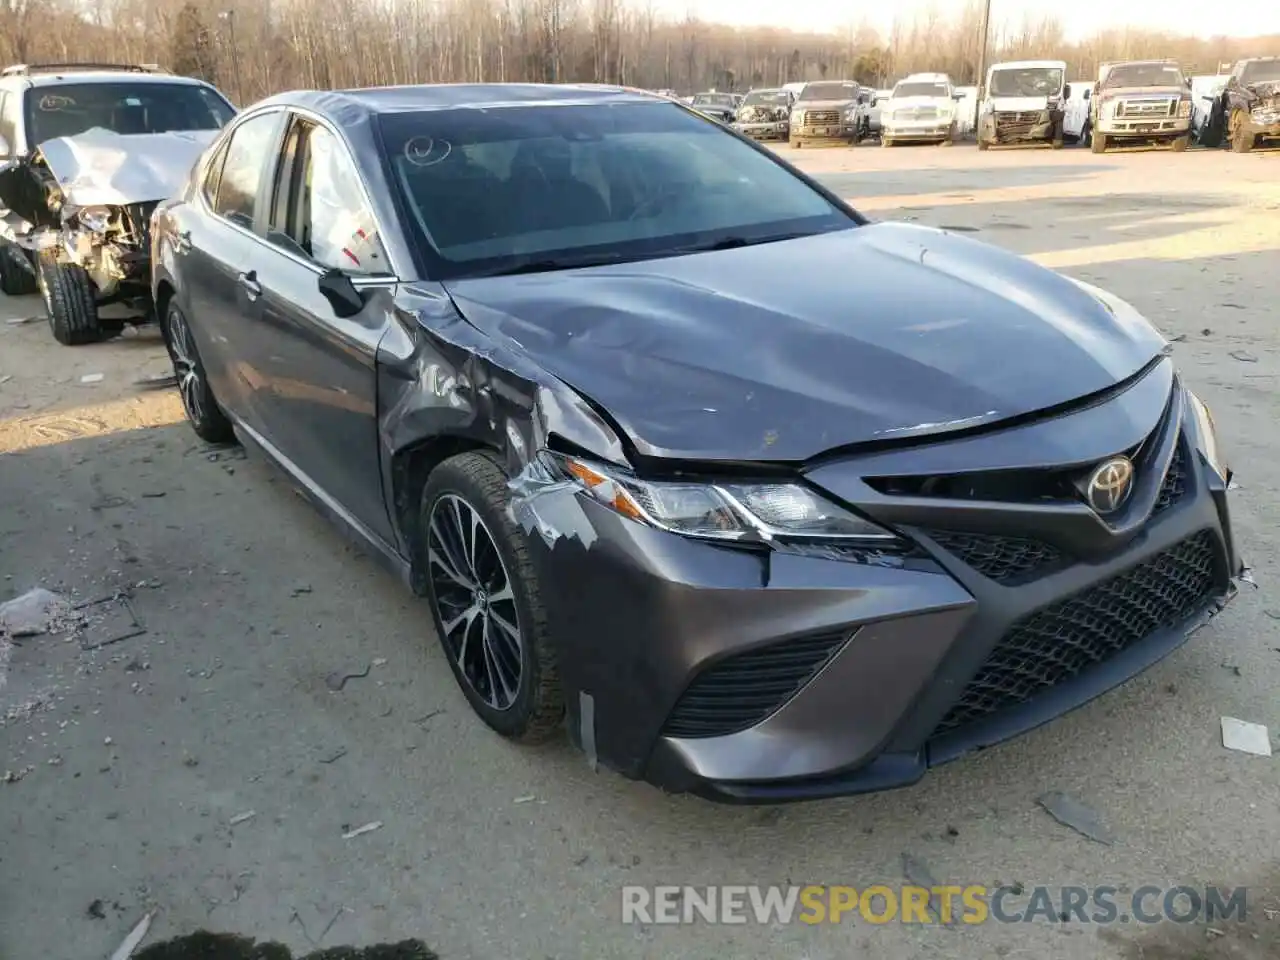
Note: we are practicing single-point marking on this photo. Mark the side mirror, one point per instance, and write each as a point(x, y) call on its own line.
point(957, 96)
point(6, 150)
point(337, 288)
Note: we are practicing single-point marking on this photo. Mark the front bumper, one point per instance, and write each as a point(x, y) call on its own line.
point(1145, 127)
point(831, 131)
point(939, 129)
point(771, 130)
point(769, 677)
point(1024, 127)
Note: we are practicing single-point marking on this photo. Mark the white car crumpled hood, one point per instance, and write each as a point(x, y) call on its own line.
point(102, 167)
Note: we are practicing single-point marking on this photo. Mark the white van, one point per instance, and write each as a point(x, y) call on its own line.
point(1023, 103)
point(922, 108)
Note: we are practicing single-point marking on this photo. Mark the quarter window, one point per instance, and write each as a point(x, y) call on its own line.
point(248, 153)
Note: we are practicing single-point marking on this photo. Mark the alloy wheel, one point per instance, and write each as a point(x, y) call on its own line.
point(475, 602)
point(186, 366)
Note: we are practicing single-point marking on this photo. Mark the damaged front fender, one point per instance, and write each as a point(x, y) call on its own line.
point(445, 387)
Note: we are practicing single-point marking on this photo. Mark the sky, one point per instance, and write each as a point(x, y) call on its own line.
point(1080, 18)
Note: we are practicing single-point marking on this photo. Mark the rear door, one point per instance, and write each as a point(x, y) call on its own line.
point(321, 369)
point(215, 245)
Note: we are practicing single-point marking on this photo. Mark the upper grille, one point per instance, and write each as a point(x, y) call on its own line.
point(817, 118)
point(740, 691)
point(1062, 640)
point(915, 113)
point(1006, 560)
point(1160, 107)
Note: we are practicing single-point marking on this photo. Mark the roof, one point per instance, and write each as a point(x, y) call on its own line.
point(457, 96)
point(95, 76)
point(1030, 65)
point(934, 77)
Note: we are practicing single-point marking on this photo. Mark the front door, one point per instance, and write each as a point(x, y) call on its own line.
point(320, 367)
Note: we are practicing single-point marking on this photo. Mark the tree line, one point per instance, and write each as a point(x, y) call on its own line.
point(253, 49)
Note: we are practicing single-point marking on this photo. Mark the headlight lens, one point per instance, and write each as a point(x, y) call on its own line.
point(94, 218)
point(1184, 109)
point(1209, 437)
point(725, 511)
point(797, 116)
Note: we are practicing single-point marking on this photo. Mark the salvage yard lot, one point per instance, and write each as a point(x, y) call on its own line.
point(133, 765)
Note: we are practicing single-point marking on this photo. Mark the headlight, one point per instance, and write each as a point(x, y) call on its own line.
point(1209, 437)
point(718, 511)
point(797, 116)
point(1184, 109)
point(95, 219)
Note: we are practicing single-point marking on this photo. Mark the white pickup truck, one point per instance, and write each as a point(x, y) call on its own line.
point(922, 108)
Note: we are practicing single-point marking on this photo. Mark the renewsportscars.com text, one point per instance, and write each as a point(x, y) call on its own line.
point(972, 904)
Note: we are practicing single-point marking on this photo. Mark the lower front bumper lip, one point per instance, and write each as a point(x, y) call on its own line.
point(890, 771)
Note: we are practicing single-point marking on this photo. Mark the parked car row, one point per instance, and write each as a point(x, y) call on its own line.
point(502, 335)
point(1148, 102)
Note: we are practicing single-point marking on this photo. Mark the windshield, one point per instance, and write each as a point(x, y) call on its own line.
point(829, 91)
point(1260, 71)
point(713, 100)
point(1144, 75)
point(123, 107)
point(921, 90)
point(496, 190)
point(771, 98)
point(1028, 82)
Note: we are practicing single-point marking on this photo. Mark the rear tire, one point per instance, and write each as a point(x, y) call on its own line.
point(71, 302)
point(501, 591)
point(199, 403)
point(15, 280)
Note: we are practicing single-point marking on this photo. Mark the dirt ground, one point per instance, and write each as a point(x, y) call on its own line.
point(206, 770)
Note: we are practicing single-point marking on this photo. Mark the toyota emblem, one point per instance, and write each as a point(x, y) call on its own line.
point(1110, 484)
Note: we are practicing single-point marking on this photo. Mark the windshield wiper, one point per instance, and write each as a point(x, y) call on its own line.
point(731, 243)
point(549, 264)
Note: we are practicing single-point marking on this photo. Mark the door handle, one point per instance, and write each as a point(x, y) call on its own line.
point(182, 244)
point(249, 281)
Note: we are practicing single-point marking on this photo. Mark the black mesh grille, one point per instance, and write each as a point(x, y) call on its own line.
point(1175, 482)
point(1059, 641)
point(1002, 559)
point(740, 691)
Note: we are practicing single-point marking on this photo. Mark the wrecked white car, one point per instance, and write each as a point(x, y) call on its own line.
point(85, 157)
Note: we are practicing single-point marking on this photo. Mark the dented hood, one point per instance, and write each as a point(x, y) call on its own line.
point(781, 351)
point(101, 167)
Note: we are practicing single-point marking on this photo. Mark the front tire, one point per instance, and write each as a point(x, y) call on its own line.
point(1099, 143)
point(1242, 138)
point(71, 302)
point(198, 401)
point(1180, 144)
point(486, 599)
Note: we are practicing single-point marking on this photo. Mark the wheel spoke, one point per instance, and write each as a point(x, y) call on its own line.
point(447, 556)
point(500, 669)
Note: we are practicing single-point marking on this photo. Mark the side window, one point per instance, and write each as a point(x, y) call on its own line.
point(212, 174)
point(8, 119)
point(329, 218)
point(248, 153)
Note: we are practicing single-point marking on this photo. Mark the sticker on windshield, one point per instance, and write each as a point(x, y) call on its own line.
point(51, 103)
point(132, 102)
point(426, 151)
